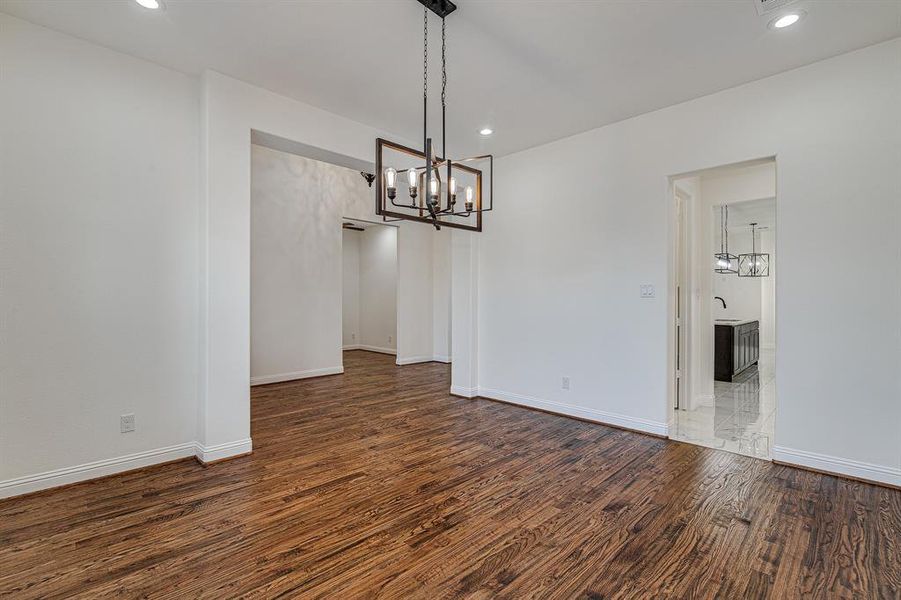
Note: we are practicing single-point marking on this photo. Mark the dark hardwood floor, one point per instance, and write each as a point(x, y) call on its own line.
point(378, 483)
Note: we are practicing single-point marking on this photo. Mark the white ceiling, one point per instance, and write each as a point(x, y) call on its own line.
point(534, 71)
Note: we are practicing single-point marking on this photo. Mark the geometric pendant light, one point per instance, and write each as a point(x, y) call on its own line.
point(425, 184)
point(753, 264)
point(725, 263)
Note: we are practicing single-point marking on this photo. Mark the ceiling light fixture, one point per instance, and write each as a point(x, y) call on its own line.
point(725, 263)
point(787, 20)
point(753, 264)
point(486, 131)
point(431, 199)
point(151, 4)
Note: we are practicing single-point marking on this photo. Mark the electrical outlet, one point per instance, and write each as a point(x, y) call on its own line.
point(127, 423)
point(353, 336)
point(565, 383)
point(389, 339)
point(647, 291)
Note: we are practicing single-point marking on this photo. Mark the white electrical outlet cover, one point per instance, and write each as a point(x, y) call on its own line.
point(127, 423)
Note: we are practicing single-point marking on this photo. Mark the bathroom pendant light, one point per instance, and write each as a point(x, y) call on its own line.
point(418, 185)
point(754, 264)
point(725, 263)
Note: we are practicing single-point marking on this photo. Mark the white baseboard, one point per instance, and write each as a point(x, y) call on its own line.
point(120, 464)
point(351, 347)
point(93, 470)
point(590, 414)
point(378, 349)
point(465, 392)
point(441, 359)
point(840, 466)
point(208, 454)
point(264, 379)
point(412, 360)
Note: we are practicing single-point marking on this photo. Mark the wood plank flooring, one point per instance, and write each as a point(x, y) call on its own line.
point(378, 484)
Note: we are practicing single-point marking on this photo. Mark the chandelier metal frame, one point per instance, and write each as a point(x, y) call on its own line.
point(726, 263)
point(754, 263)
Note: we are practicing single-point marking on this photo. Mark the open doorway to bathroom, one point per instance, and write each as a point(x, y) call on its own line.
point(723, 308)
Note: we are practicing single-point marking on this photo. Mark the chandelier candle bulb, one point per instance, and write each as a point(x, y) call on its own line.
point(433, 188)
point(391, 182)
point(468, 203)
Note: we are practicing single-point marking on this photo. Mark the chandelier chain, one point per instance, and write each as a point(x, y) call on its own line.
point(443, 89)
point(425, 53)
point(726, 228)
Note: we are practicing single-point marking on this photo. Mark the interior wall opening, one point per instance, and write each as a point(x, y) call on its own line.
point(369, 287)
point(723, 308)
point(328, 276)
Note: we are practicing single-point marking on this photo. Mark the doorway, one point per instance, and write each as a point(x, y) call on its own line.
point(369, 290)
point(723, 309)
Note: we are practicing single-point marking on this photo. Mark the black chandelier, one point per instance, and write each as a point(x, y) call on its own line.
point(432, 182)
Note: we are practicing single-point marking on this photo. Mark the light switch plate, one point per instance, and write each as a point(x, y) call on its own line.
point(647, 291)
point(127, 423)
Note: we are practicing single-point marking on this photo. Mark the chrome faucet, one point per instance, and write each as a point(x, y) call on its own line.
point(721, 300)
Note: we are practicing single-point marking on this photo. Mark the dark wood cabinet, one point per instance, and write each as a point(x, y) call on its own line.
point(736, 347)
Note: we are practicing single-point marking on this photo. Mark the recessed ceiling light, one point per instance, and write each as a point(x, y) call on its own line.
point(486, 131)
point(151, 4)
point(787, 20)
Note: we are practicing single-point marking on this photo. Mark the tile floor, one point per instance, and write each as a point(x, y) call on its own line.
point(740, 418)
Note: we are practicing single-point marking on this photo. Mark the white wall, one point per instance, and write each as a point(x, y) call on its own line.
point(558, 294)
point(350, 288)
point(768, 293)
point(99, 222)
point(297, 207)
point(414, 293)
point(697, 279)
point(378, 289)
point(441, 295)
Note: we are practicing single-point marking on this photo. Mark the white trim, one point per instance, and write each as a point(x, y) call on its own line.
point(571, 410)
point(457, 390)
point(840, 466)
point(207, 454)
point(264, 379)
point(412, 360)
point(93, 470)
point(120, 464)
point(350, 347)
point(378, 349)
